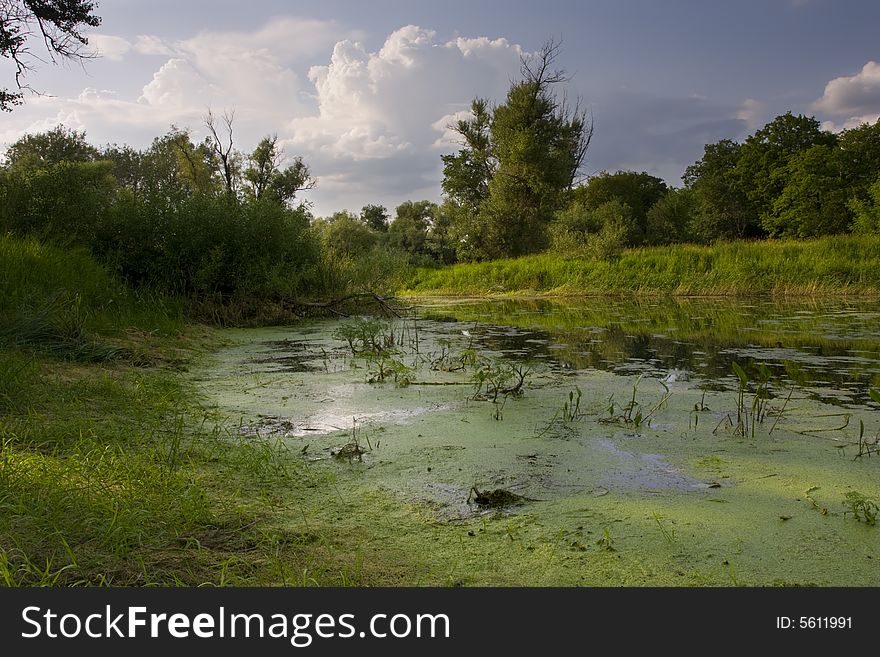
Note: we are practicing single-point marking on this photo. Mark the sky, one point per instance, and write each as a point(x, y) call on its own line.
point(364, 91)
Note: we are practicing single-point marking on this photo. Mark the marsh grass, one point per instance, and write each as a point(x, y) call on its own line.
point(750, 415)
point(57, 301)
point(829, 265)
point(863, 508)
point(634, 415)
point(87, 488)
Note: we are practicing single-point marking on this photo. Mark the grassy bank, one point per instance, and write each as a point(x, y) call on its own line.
point(831, 265)
point(111, 470)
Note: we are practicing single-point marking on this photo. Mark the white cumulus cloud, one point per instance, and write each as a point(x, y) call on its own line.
point(382, 117)
point(111, 47)
point(371, 123)
point(852, 100)
point(372, 105)
point(259, 74)
point(148, 44)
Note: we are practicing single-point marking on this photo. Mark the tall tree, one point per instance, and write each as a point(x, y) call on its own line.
point(53, 183)
point(345, 235)
point(262, 166)
point(440, 243)
point(197, 164)
point(639, 191)
point(722, 209)
point(60, 144)
point(667, 221)
point(867, 213)
point(517, 162)
point(858, 157)
point(58, 23)
point(764, 155)
point(409, 230)
point(220, 139)
point(466, 174)
point(813, 201)
point(128, 166)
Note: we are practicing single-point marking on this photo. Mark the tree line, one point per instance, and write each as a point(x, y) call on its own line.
point(205, 218)
point(790, 179)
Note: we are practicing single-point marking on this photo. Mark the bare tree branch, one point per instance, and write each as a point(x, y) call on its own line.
point(56, 22)
point(223, 148)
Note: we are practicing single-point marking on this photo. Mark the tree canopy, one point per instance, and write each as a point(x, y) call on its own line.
point(57, 23)
point(638, 191)
point(789, 179)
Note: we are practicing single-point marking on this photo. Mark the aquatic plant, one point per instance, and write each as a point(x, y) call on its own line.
point(781, 411)
point(571, 409)
point(366, 335)
point(606, 542)
point(384, 365)
point(868, 447)
point(669, 536)
point(749, 415)
point(863, 508)
point(496, 377)
point(454, 361)
point(633, 414)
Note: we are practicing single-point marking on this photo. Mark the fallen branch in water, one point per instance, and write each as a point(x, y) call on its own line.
point(387, 304)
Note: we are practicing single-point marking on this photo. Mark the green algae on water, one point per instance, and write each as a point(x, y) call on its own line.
point(732, 508)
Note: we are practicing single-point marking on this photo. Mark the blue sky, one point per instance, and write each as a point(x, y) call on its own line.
point(363, 90)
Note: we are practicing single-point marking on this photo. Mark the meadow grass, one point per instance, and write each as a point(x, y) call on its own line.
point(114, 474)
point(830, 265)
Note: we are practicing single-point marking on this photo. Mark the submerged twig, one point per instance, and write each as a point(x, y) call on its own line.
point(781, 411)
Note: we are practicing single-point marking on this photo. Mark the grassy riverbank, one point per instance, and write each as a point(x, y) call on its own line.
point(826, 266)
point(111, 470)
point(115, 471)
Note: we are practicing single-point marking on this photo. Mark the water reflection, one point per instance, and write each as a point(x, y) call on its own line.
point(830, 348)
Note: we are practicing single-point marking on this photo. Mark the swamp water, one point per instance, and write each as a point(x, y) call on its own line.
point(538, 442)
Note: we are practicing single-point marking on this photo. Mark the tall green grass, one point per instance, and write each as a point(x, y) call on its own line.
point(33, 273)
point(87, 483)
point(57, 299)
point(82, 486)
point(110, 471)
point(829, 265)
